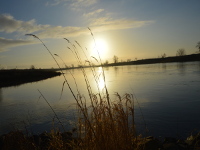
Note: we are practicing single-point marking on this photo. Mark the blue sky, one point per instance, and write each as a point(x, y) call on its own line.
point(127, 28)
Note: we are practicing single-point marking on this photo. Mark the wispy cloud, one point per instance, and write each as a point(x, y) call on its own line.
point(60, 32)
point(9, 43)
point(56, 2)
point(8, 24)
point(106, 23)
point(93, 13)
point(77, 4)
point(74, 4)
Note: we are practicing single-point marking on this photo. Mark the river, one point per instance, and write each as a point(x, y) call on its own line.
point(167, 99)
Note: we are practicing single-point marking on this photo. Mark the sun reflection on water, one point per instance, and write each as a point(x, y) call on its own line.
point(101, 82)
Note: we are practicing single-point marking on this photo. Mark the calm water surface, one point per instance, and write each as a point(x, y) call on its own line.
point(168, 95)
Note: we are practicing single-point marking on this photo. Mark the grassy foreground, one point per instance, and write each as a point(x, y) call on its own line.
point(56, 140)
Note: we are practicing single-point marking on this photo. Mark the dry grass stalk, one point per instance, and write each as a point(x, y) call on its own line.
point(103, 124)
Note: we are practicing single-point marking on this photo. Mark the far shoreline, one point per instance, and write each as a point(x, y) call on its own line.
point(184, 58)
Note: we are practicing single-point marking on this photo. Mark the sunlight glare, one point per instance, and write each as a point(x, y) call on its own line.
point(101, 83)
point(101, 46)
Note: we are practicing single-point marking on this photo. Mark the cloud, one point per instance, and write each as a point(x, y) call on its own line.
point(8, 43)
point(93, 13)
point(55, 2)
point(106, 23)
point(8, 24)
point(60, 32)
point(97, 25)
point(82, 3)
point(74, 4)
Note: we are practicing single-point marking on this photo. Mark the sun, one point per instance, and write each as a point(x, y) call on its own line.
point(100, 46)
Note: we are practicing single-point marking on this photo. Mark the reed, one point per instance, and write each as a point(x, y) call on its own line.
point(102, 123)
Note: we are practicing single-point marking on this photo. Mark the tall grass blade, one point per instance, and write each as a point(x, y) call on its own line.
point(51, 109)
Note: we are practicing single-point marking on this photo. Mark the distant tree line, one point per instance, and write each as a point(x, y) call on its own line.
point(180, 52)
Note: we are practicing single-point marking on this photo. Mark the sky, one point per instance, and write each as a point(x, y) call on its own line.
point(128, 29)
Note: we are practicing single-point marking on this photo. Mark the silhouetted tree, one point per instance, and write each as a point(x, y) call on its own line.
point(32, 67)
point(163, 56)
point(198, 46)
point(106, 62)
point(180, 52)
point(115, 59)
point(128, 60)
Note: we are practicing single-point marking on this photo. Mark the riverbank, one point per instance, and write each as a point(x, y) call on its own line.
point(66, 140)
point(15, 77)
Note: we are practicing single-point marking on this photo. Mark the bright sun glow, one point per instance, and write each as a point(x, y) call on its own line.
point(101, 46)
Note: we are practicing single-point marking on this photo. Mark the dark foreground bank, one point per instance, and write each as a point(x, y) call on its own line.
point(16, 77)
point(66, 141)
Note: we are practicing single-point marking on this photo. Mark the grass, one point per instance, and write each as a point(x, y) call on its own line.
point(102, 123)
point(108, 127)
